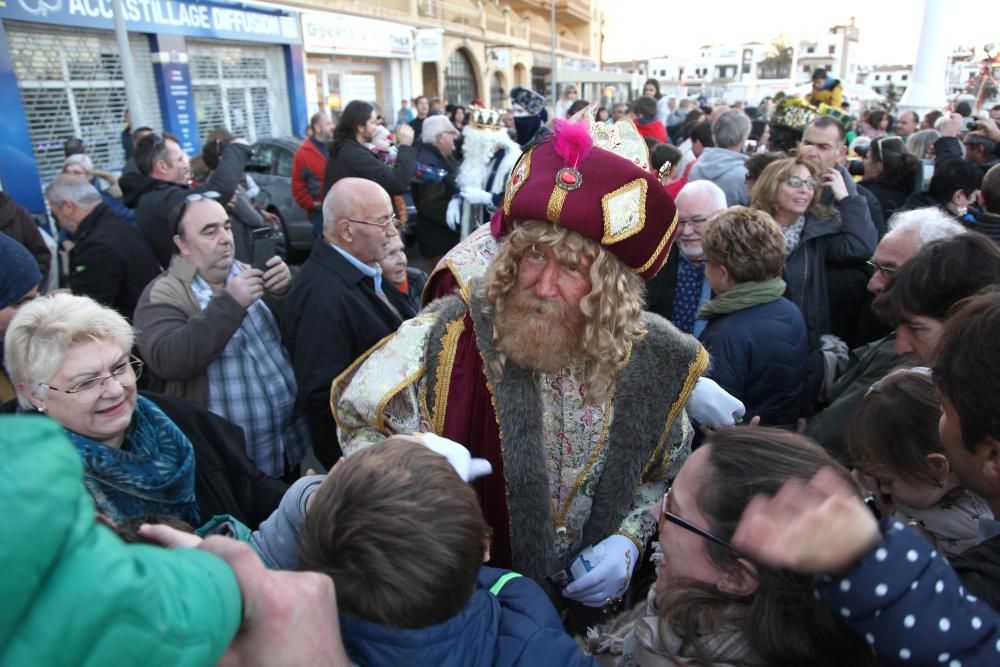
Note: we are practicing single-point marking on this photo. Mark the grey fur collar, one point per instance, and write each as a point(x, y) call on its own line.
point(647, 389)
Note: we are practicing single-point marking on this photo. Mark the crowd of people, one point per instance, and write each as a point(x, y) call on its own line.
point(672, 382)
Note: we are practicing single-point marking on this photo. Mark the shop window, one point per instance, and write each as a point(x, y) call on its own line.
point(460, 80)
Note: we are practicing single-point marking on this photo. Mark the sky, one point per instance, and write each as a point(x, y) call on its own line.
point(889, 29)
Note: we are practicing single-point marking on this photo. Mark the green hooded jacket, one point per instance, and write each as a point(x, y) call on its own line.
point(74, 594)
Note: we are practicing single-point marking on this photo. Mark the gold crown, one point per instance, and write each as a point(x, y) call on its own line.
point(486, 119)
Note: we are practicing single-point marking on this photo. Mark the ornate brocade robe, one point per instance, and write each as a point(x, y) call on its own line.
point(566, 474)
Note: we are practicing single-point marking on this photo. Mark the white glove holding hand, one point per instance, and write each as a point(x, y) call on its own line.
point(711, 405)
point(458, 456)
point(609, 578)
point(454, 215)
point(477, 196)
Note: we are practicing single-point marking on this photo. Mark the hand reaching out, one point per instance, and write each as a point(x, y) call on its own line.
point(819, 527)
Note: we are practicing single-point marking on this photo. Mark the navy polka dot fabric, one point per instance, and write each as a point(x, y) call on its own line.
point(907, 602)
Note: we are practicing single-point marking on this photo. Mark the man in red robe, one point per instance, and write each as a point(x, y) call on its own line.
point(548, 368)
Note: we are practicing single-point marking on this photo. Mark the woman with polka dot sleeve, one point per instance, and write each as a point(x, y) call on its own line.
point(883, 579)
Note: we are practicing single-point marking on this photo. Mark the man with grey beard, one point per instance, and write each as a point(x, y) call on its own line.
point(680, 289)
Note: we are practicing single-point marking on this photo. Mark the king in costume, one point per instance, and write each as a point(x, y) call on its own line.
point(569, 471)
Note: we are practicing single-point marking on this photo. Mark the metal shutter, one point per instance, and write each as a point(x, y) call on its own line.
point(71, 84)
point(241, 87)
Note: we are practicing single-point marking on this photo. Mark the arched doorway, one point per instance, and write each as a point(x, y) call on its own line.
point(460, 79)
point(498, 92)
point(520, 75)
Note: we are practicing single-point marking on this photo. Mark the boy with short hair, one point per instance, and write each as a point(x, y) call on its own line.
point(403, 537)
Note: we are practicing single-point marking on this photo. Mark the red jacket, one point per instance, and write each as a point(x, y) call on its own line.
point(308, 168)
point(653, 128)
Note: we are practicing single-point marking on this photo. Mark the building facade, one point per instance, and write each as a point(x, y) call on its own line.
point(462, 50)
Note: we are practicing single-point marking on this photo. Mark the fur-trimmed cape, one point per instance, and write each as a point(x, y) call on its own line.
point(662, 370)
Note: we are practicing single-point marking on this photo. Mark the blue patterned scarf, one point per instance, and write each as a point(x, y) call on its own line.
point(155, 475)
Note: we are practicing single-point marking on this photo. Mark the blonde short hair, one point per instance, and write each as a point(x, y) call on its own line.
point(44, 330)
point(747, 242)
point(612, 310)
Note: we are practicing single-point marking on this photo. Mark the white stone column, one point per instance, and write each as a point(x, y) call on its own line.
point(927, 89)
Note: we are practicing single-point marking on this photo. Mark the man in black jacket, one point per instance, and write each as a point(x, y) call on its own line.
point(163, 182)
point(349, 157)
point(110, 261)
point(338, 307)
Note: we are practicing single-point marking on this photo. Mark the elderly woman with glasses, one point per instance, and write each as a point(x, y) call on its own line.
point(106, 184)
point(711, 604)
point(815, 236)
point(68, 357)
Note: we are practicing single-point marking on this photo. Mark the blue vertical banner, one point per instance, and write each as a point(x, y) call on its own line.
point(295, 65)
point(173, 87)
point(18, 173)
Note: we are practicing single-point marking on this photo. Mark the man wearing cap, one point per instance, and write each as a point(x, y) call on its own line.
point(19, 279)
point(207, 327)
point(548, 368)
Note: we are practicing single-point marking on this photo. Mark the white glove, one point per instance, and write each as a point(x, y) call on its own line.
point(454, 215)
point(458, 456)
point(711, 405)
point(609, 578)
point(477, 196)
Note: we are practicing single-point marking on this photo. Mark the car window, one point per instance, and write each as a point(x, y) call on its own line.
point(284, 163)
point(264, 154)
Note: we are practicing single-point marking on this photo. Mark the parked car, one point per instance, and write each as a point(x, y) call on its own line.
point(271, 168)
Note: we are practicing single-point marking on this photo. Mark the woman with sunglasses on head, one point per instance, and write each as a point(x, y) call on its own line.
point(711, 604)
point(816, 237)
point(890, 173)
point(68, 357)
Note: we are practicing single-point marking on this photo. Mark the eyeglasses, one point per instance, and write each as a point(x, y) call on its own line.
point(178, 213)
point(797, 182)
point(126, 374)
point(694, 222)
point(391, 220)
point(666, 515)
point(886, 271)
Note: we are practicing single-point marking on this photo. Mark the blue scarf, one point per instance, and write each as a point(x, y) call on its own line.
point(154, 476)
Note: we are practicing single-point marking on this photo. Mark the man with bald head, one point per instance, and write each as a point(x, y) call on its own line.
point(340, 305)
point(207, 327)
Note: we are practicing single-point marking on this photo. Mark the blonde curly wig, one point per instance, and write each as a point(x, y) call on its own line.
point(611, 310)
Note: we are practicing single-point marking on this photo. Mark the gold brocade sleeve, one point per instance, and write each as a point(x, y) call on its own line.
point(380, 394)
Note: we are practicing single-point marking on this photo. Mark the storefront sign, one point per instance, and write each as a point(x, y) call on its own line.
point(354, 36)
point(429, 45)
point(173, 82)
point(178, 17)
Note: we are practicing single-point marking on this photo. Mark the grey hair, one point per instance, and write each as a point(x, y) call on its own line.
point(920, 143)
point(76, 189)
point(434, 126)
point(82, 160)
point(731, 129)
point(930, 223)
point(43, 331)
point(706, 189)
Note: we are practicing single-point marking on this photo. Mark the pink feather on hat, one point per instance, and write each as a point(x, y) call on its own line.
point(572, 141)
